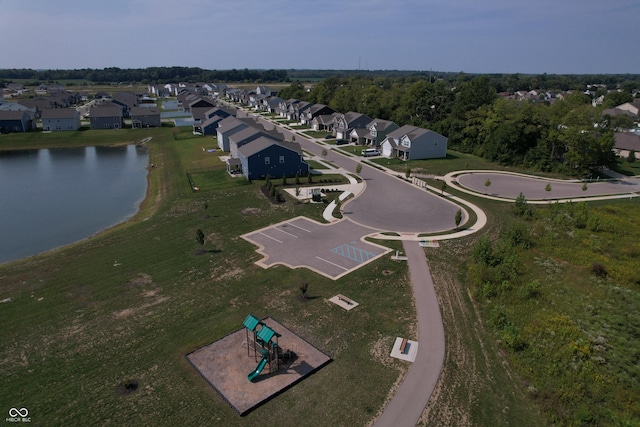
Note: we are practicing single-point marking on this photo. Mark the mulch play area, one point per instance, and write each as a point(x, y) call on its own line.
point(226, 364)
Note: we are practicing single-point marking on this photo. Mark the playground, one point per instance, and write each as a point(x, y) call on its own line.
point(256, 363)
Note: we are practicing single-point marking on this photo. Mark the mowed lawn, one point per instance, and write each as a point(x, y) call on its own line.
point(130, 303)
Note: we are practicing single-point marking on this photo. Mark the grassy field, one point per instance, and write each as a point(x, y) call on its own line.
point(129, 303)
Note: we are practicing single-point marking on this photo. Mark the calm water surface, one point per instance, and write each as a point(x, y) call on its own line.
point(53, 197)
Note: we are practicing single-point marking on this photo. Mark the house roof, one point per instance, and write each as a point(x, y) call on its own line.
point(351, 117)
point(316, 107)
point(361, 132)
point(192, 102)
point(326, 118)
point(244, 134)
point(257, 145)
point(12, 115)
point(230, 122)
point(215, 110)
point(617, 112)
point(59, 113)
point(380, 124)
point(211, 121)
point(251, 131)
point(411, 131)
point(14, 106)
point(129, 99)
point(144, 111)
point(261, 143)
point(105, 111)
point(627, 141)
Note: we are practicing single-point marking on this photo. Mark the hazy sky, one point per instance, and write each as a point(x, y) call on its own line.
point(508, 36)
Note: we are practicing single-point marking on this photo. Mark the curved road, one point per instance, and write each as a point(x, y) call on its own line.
point(389, 203)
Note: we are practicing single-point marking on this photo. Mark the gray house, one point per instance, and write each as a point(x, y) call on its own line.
point(378, 130)
point(625, 143)
point(226, 128)
point(314, 111)
point(345, 123)
point(208, 126)
point(145, 117)
point(106, 118)
point(14, 121)
point(54, 119)
point(414, 143)
point(324, 122)
point(247, 135)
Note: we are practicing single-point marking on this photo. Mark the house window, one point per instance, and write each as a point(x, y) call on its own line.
point(281, 159)
point(267, 160)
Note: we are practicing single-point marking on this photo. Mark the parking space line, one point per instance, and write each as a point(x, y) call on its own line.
point(272, 238)
point(296, 226)
point(285, 232)
point(332, 263)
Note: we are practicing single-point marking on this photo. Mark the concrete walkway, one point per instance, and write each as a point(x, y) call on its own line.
point(414, 392)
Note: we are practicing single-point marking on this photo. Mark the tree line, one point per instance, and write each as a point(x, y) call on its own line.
point(566, 135)
point(146, 75)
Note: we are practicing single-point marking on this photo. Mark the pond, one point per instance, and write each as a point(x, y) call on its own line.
point(52, 197)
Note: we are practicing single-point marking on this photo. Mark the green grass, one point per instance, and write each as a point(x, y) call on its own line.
point(82, 137)
point(315, 133)
point(132, 301)
point(572, 334)
point(626, 168)
point(316, 165)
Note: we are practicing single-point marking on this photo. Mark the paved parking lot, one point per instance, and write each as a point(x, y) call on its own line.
point(332, 250)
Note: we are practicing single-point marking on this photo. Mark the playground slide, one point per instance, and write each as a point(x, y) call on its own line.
point(259, 368)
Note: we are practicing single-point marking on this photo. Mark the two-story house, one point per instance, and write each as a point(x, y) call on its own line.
point(414, 143)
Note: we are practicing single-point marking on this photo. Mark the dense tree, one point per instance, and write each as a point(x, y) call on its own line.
point(295, 91)
point(614, 99)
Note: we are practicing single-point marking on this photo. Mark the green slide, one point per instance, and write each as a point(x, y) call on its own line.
point(265, 358)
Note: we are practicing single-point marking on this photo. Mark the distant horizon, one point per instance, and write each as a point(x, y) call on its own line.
point(572, 37)
point(325, 70)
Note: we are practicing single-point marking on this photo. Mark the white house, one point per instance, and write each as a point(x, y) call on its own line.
point(414, 143)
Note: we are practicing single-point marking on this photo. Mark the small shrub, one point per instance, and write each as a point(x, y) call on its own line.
point(519, 235)
point(531, 290)
point(599, 270)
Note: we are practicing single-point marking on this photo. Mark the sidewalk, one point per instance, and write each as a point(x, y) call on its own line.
point(413, 394)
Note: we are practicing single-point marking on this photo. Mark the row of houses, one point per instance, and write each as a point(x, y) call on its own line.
point(106, 113)
point(406, 142)
point(256, 152)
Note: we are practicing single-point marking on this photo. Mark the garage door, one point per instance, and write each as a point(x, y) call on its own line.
point(386, 150)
